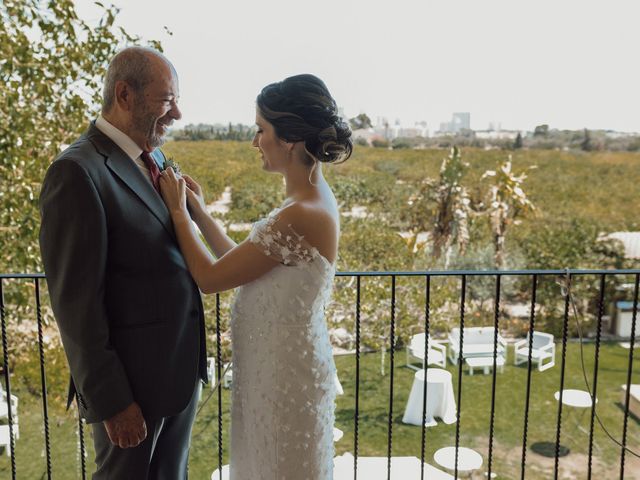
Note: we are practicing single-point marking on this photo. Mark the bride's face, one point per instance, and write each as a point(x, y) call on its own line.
point(273, 150)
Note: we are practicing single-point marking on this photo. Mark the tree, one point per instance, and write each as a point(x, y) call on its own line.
point(517, 144)
point(541, 130)
point(442, 208)
point(506, 203)
point(51, 68)
point(586, 143)
point(360, 121)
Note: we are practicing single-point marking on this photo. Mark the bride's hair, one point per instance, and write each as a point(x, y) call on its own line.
point(301, 109)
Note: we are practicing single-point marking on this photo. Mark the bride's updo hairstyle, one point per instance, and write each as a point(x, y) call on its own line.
point(301, 109)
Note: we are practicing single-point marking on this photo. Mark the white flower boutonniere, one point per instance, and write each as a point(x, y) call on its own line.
point(169, 162)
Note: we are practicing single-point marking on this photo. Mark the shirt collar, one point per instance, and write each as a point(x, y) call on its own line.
point(121, 139)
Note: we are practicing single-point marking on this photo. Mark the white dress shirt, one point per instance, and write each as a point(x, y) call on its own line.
point(121, 139)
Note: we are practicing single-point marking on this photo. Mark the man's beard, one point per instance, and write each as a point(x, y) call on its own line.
point(145, 122)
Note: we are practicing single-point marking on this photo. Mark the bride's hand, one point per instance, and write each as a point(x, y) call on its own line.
point(172, 189)
point(195, 197)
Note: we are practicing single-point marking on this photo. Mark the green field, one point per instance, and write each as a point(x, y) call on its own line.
point(576, 193)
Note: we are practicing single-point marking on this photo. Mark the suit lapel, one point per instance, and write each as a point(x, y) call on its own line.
point(126, 170)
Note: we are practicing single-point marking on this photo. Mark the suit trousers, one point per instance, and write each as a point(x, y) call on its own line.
point(163, 455)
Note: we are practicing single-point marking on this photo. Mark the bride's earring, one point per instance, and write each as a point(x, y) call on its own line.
point(313, 169)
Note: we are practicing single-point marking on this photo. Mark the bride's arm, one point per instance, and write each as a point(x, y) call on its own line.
point(240, 265)
point(214, 235)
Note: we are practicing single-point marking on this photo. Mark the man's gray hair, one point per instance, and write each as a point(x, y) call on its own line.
point(131, 65)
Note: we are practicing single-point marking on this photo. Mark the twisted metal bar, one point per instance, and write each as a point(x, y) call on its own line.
point(392, 346)
point(493, 383)
point(219, 375)
point(43, 378)
point(532, 321)
point(629, 372)
point(357, 406)
point(83, 462)
point(463, 293)
point(425, 366)
point(595, 372)
point(565, 332)
point(7, 381)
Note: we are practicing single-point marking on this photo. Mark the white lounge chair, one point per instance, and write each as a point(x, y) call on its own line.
point(544, 350)
point(4, 437)
point(634, 399)
point(211, 372)
point(415, 350)
point(4, 411)
point(477, 343)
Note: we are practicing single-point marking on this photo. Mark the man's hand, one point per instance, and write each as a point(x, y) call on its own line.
point(127, 428)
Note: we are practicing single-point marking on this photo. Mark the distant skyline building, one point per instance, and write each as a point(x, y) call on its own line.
point(459, 121)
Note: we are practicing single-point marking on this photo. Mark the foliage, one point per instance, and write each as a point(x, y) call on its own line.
point(360, 121)
point(202, 131)
point(586, 144)
point(541, 130)
point(51, 66)
point(379, 143)
point(442, 208)
point(505, 203)
point(51, 69)
point(517, 144)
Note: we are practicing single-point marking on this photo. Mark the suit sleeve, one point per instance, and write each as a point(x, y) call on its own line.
point(73, 243)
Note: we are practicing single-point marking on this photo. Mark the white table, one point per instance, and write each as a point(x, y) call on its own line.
point(468, 460)
point(577, 399)
point(372, 468)
point(375, 468)
point(486, 363)
point(440, 400)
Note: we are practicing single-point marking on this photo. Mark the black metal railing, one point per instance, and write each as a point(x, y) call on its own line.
point(568, 276)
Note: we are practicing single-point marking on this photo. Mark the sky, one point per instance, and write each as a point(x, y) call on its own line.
point(571, 64)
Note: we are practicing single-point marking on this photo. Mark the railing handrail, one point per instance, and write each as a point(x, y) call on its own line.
point(435, 273)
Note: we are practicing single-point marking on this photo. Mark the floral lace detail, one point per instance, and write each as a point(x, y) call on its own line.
point(282, 242)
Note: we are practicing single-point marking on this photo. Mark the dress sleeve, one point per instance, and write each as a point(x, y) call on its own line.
point(281, 242)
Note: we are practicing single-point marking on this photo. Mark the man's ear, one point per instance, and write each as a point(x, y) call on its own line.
point(124, 95)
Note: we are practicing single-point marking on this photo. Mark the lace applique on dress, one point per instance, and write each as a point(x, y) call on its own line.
point(281, 241)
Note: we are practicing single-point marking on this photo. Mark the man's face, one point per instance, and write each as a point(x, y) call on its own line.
point(156, 108)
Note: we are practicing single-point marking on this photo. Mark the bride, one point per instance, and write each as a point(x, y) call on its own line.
point(283, 375)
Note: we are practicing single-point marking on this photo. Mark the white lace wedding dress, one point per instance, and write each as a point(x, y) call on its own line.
point(283, 396)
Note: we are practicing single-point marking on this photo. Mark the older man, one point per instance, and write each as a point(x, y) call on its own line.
point(129, 313)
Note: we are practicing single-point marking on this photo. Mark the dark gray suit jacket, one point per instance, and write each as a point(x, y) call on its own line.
point(129, 313)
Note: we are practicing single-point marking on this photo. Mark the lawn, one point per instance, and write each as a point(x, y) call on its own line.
point(374, 407)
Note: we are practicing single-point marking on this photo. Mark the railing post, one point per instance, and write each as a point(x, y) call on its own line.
point(392, 346)
point(357, 406)
point(425, 366)
point(7, 380)
point(629, 372)
point(43, 379)
point(220, 380)
point(496, 323)
point(595, 371)
point(463, 293)
point(532, 321)
point(565, 332)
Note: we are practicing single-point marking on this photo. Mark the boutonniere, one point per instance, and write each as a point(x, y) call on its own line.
point(169, 162)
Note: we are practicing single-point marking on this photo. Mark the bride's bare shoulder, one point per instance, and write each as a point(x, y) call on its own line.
point(315, 222)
